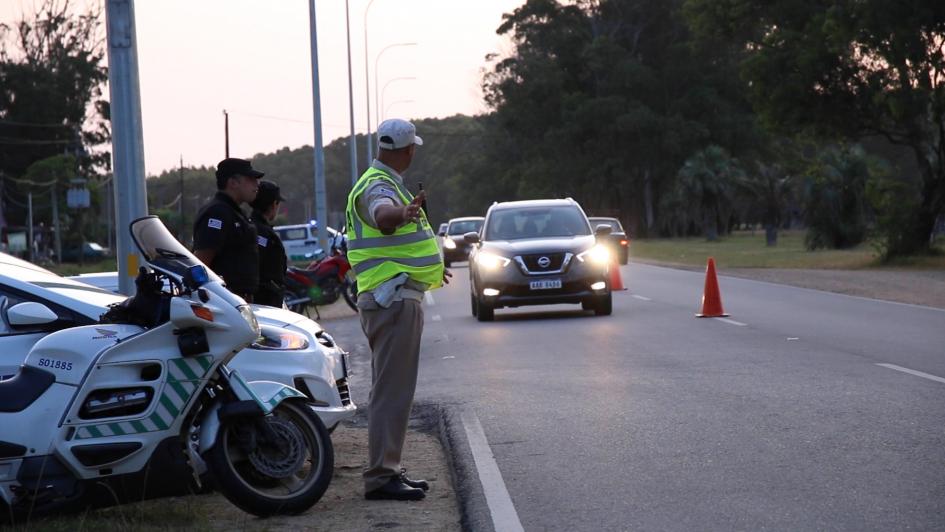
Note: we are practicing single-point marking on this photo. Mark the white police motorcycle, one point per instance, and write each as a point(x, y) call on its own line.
point(105, 411)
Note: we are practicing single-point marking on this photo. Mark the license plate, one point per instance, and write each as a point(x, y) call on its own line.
point(545, 284)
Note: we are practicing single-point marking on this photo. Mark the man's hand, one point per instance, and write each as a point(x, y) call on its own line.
point(446, 276)
point(412, 209)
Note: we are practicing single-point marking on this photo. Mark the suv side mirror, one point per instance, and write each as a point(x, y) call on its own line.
point(30, 313)
point(471, 237)
point(603, 230)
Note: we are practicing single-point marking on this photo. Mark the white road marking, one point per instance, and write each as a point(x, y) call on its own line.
point(429, 298)
point(437, 317)
point(913, 372)
point(732, 322)
point(504, 516)
point(792, 338)
point(642, 298)
point(448, 357)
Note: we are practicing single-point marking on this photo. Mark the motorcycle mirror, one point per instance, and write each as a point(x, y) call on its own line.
point(30, 313)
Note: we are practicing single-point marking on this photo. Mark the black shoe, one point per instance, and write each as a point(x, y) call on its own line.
point(420, 483)
point(395, 490)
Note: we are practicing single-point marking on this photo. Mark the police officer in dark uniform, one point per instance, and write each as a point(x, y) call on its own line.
point(272, 258)
point(224, 237)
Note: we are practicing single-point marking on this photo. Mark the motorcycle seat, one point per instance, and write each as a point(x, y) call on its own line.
point(19, 392)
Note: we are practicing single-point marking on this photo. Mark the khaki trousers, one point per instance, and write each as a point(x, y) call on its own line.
point(394, 335)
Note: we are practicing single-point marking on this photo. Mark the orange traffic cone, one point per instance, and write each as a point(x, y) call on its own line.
point(711, 299)
point(616, 283)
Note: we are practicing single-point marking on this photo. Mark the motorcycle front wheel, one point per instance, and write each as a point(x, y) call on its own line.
point(279, 464)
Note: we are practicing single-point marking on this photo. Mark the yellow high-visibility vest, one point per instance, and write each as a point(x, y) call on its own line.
point(376, 257)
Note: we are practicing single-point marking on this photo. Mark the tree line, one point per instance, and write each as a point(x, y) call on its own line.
point(680, 117)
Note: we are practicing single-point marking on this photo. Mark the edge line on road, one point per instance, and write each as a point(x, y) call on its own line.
point(913, 372)
point(504, 516)
point(641, 298)
point(732, 322)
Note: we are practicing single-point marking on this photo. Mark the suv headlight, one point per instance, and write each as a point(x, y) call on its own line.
point(448, 243)
point(597, 255)
point(491, 261)
point(279, 339)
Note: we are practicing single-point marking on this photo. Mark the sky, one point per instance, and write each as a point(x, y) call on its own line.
point(252, 58)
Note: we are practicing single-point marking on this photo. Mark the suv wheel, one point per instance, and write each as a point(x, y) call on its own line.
point(605, 305)
point(485, 311)
point(474, 304)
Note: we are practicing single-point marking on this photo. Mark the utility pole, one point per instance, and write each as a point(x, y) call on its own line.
point(352, 145)
point(127, 140)
point(55, 214)
point(180, 202)
point(321, 203)
point(367, 90)
point(29, 221)
point(226, 132)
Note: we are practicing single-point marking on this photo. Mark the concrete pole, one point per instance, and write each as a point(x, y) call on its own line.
point(367, 90)
point(57, 239)
point(352, 144)
point(321, 202)
point(29, 220)
point(127, 139)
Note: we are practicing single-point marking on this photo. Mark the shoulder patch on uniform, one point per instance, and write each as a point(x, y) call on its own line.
point(262, 241)
point(214, 223)
point(389, 192)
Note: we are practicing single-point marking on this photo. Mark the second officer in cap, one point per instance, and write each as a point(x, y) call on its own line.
point(272, 258)
point(224, 237)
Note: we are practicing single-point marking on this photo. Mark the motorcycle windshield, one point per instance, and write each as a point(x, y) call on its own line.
point(162, 250)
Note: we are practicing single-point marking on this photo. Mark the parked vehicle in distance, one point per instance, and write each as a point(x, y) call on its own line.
point(455, 248)
point(442, 230)
point(618, 239)
point(301, 241)
point(538, 252)
point(91, 251)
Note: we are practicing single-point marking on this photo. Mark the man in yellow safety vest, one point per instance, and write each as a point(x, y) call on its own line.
point(393, 252)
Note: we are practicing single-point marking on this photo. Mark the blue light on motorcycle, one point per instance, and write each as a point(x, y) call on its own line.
point(199, 274)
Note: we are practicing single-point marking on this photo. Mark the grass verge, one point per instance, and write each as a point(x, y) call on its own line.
point(745, 249)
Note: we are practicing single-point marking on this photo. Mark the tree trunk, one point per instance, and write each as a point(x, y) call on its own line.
point(648, 200)
point(771, 235)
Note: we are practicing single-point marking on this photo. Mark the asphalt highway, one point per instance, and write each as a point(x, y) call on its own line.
point(803, 410)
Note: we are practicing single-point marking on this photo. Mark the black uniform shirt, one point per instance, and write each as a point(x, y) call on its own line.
point(222, 226)
point(272, 263)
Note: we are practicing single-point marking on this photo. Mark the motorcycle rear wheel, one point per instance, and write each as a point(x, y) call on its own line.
point(350, 292)
point(296, 477)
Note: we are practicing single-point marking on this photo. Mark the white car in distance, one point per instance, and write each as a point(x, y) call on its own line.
point(293, 349)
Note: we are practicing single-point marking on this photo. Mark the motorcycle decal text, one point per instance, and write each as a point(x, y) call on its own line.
point(55, 364)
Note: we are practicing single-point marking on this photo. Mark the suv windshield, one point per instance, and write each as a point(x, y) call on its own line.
point(536, 222)
point(464, 226)
point(161, 249)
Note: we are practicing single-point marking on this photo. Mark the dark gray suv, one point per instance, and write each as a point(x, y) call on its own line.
point(538, 252)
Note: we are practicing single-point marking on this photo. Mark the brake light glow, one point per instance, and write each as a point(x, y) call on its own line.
point(624, 242)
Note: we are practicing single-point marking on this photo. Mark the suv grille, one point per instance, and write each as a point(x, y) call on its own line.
point(536, 265)
point(343, 391)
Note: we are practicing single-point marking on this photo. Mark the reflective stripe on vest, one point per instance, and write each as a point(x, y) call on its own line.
point(376, 257)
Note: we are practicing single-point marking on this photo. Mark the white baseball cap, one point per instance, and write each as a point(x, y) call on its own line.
point(396, 133)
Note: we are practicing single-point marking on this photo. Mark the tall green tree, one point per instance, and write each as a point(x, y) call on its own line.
point(52, 76)
point(850, 68)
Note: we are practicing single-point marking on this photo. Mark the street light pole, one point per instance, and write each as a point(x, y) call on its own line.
point(384, 91)
point(395, 103)
point(352, 144)
point(367, 89)
point(376, 59)
point(321, 205)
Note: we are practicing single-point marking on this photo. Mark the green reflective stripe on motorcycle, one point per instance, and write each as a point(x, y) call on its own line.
point(181, 365)
point(139, 427)
point(179, 389)
point(116, 429)
point(94, 432)
point(158, 422)
point(170, 406)
point(205, 363)
point(429, 260)
point(395, 240)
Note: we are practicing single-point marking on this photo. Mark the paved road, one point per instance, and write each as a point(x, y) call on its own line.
point(651, 419)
